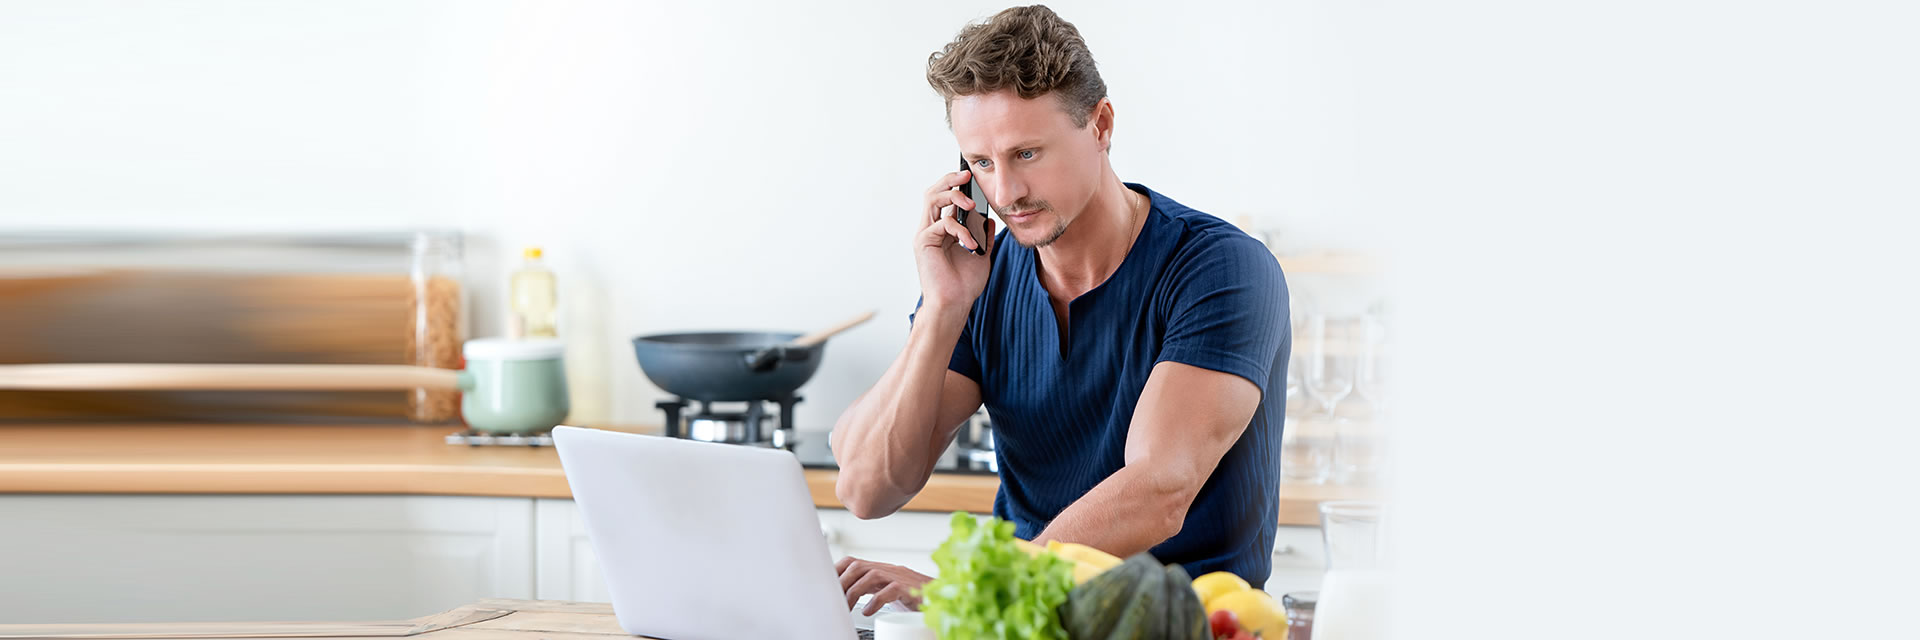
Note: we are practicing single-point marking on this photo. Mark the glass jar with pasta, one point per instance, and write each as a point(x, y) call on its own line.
point(437, 324)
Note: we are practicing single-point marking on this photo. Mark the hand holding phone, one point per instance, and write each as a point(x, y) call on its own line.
point(948, 250)
point(974, 220)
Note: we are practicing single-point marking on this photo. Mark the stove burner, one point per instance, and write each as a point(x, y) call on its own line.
point(474, 438)
point(755, 426)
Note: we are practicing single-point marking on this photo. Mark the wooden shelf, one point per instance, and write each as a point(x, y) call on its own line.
point(1332, 263)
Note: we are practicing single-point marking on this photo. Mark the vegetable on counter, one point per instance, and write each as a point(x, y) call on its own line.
point(990, 586)
point(1140, 599)
point(993, 585)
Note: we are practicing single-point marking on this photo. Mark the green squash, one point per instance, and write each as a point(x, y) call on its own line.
point(1138, 600)
point(1186, 616)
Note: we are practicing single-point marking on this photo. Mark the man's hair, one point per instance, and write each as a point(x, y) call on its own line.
point(1028, 49)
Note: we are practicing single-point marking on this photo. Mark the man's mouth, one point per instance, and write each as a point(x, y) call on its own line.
point(1019, 216)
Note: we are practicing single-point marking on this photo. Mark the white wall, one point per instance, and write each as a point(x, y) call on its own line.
point(1660, 328)
point(686, 165)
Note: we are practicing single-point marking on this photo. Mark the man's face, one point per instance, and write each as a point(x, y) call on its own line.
point(1037, 169)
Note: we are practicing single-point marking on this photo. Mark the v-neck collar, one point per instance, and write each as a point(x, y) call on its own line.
point(1064, 342)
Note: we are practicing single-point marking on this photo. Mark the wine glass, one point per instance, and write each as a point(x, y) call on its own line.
point(1330, 360)
point(1296, 386)
point(1357, 447)
point(1373, 354)
point(1304, 458)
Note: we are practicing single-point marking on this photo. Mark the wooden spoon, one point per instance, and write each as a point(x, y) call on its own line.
point(765, 358)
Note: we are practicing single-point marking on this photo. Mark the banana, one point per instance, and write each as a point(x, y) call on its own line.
point(1087, 561)
point(1033, 550)
point(1083, 553)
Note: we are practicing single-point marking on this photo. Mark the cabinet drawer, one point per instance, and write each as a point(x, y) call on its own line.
point(908, 531)
point(94, 558)
point(1299, 549)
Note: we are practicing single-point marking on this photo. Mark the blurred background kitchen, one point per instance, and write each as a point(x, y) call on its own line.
point(682, 167)
point(1646, 264)
point(362, 182)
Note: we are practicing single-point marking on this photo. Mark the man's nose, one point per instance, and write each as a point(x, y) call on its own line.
point(1004, 189)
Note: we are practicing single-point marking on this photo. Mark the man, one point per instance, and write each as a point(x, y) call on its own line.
point(1130, 351)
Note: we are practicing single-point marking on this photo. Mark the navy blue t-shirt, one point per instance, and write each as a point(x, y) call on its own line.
point(1194, 290)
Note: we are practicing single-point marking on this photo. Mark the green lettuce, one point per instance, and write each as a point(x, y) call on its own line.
point(989, 588)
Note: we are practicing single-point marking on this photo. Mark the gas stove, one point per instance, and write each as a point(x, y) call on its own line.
point(751, 422)
point(769, 423)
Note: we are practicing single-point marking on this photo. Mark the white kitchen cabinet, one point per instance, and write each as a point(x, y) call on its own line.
point(160, 558)
point(566, 568)
point(906, 538)
point(1299, 558)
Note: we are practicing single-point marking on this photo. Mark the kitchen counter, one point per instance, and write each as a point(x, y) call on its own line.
point(380, 459)
point(492, 619)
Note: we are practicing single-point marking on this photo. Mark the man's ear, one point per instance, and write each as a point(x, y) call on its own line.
point(1102, 124)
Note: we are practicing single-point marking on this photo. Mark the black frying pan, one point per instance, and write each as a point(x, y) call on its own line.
point(731, 366)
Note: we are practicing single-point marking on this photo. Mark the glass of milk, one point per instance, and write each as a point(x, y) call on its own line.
point(1353, 594)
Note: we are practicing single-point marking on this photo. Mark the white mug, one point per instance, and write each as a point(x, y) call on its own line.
point(901, 625)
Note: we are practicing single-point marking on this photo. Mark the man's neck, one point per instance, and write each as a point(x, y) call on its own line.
point(1096, 243)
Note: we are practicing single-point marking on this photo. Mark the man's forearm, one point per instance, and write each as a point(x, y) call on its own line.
point(883, 442)
point(1129, 512)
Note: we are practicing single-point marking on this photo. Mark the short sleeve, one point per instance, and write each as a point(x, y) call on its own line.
point(1227, 311)
point(964, 361)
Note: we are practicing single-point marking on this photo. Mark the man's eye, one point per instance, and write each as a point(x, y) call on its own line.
point(1026, 155)
point(982, 163)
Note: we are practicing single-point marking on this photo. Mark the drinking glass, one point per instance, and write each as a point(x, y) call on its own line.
point(1330, 360)
point(1356, 589)
point(1368, 380)
point(1305, 457)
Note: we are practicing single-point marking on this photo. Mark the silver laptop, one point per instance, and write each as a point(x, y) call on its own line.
point(704, 541)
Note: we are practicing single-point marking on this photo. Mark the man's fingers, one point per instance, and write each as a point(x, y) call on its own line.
point(942, 192)
point(959, 233)
point(872, 582)
point(844, 562)
point(940, 205)
point(880, 599)
point(852, 573)
point(936, 234)
point(949, 181)
point(907, 599)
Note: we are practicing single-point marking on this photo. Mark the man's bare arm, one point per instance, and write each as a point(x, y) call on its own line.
point(888, 441)
point(1186, 420)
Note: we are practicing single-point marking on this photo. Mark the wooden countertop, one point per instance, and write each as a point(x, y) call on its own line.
point(491, 619)
point(378, 459)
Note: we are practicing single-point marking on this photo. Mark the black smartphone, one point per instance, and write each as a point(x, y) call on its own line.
point(975, 220)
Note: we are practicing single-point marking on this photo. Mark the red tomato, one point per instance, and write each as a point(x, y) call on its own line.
point(1225, 624)
point(1243, 634)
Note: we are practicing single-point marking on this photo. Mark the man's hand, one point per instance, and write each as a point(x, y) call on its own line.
point(951, 275)
point(887, 583)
